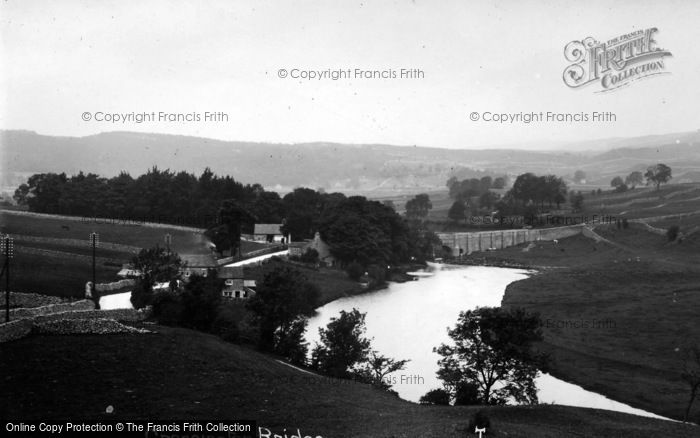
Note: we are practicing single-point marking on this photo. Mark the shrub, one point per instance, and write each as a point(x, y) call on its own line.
point(167, 308)
point(621, 188)
point(310, 256)
point(142, 295)
point(672, 232)
point(435, 397)
point(225, 325)
point(354, 271)
point(377, 274)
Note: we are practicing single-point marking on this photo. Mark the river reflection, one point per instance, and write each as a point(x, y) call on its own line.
point(406, 320)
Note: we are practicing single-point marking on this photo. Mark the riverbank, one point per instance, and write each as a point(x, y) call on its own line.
point(618, 316)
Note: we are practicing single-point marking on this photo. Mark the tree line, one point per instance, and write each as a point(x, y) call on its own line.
point(355, 228)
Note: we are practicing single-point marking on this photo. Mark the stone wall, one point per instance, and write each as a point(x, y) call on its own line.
point(24, 299)
point(12, 330)
point(51, 308)
point(115, 285)
point(74, 321)
point(98, 326)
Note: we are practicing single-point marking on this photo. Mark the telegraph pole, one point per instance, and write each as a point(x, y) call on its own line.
point(7, 251)
point(94, 238)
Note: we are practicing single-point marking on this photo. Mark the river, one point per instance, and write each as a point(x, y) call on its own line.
point(406, 320)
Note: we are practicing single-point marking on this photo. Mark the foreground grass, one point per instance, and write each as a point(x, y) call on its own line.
point(186, 375)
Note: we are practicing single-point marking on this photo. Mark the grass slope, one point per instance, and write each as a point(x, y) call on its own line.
point(186, 375)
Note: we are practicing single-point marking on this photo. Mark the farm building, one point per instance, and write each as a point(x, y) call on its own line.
point(268, 233)
point(324, 252)
point(235, 284)
point(197, 264)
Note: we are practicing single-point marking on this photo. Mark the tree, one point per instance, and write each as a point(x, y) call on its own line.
point(616, 182)
point(232, 218)
point(485, 183)
point(291, 343)
point(499, 183)
point(435, 397)
point(526, 188)
point(378, 367)
point(466, 393)
point(282, 297)
point(634, 179)
point(201, 299)
point(142, 294)
point(579, 176)
point(309, 256)
point(418, 207)
point(457, 212)
point(21, 194)
point(355, 271)
point(488, 199)
point(343, 345)
point(357, 229)
point(157, 265)
point(658, 174)
point(576, 200)
point(493, 351)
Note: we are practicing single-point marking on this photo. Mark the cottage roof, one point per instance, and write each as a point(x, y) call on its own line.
point(267, 229)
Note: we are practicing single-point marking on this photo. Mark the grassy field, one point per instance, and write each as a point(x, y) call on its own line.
point(53, 255)
point(186, 375)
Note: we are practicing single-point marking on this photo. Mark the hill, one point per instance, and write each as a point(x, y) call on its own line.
point(187, 375)
point(369, 168)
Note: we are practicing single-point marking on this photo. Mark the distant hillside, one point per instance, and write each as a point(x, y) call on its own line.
point(332, 166)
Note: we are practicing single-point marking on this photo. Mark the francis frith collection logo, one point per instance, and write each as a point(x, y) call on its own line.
point(614, 63)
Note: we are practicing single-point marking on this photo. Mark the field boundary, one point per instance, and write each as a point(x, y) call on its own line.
point(111, 221)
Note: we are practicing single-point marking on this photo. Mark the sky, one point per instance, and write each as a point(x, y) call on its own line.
point(62, 59)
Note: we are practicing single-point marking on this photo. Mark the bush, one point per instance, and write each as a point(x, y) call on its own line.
point(480, 420)
point(310, 256)
point(355, 271)
point(142, 295)
point(672, 233)
point(167, 308)
point(435, 397)
point(377, 274)
point(621, 188)
point(225, 325)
